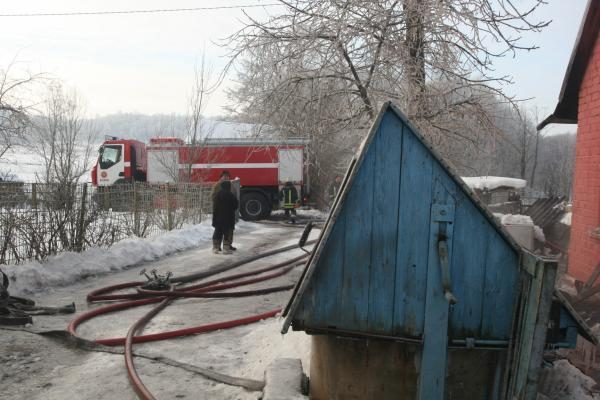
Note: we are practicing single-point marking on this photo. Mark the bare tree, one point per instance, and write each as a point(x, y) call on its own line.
point(63, 137)
point(556, 163)
point(330, 64)
point(198, 131)
point(15, 110)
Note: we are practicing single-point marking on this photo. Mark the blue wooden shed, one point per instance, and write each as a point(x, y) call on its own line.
point(413, 265)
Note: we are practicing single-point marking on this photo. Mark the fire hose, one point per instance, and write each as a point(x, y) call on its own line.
point(175, 290)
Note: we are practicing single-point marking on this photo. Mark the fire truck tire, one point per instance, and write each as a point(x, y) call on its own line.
point(254, 206)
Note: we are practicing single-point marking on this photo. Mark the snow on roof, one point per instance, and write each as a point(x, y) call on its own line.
point(493, 182)
point(514, 219)
point(566, 219)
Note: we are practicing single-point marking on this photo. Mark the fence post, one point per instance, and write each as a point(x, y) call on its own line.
point(136, 211)
point(34, 196)
point(81, 224)
point(169, 208)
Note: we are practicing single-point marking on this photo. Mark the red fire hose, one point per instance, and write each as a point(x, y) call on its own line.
point(209, 289)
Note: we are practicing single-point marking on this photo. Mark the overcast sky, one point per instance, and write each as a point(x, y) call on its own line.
point(145, 62)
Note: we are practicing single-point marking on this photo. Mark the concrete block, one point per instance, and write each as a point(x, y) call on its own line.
point(283, 380)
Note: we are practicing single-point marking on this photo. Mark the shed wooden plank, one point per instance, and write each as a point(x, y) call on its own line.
point(413, 236)
point(357, 252)
point(326, 287)
point(388, 147)
point(533, 296)
point(501, 285)
point(471, 236)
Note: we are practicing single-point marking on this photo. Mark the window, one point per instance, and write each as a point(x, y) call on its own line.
point(110, 155)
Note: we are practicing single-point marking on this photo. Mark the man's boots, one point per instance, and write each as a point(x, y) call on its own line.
point(216, 246)
point(227, 242)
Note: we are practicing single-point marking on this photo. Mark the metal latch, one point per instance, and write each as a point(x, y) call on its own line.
point(445, 269)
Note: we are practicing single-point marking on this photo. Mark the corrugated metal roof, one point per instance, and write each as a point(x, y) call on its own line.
point(546, 212)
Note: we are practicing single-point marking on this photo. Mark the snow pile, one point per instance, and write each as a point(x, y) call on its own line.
point(493, 182)
point(565, 381)
point(539, 234)
point(265, 343)
point(566, 284)
point(566, 219)
point(514, 219)
point(69, 267)
point(306, 213)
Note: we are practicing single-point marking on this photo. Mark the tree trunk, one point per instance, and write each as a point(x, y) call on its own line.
point(415, 35)
point(535, 158)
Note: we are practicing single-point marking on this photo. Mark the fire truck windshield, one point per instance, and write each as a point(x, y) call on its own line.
point(109, 155)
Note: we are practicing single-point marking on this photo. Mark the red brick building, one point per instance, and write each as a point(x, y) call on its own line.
point(579, 103)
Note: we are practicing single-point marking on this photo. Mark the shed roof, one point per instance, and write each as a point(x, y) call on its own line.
point(568, 101)
point(355, 165)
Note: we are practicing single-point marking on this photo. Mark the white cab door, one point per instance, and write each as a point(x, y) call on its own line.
point(111, 164)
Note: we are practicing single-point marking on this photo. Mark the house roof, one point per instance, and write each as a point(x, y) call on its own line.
point(568, 101)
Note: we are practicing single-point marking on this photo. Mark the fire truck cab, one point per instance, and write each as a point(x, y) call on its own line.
point(262, 165)
point(120, 161)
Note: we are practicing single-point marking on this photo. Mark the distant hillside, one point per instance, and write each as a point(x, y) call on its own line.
point(142, 127)
point(22, 164)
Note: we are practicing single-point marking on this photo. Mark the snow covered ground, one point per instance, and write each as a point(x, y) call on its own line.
point(35, 367)
point(563, 381)
point(69, 267)
point(22, 163)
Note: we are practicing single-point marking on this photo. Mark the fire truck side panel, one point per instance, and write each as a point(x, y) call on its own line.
point(291, 166)
point(163, 165)
point(251, 176)
point(256, 166)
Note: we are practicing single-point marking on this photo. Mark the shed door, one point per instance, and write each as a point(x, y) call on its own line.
point(163, 166)
point(290, 165)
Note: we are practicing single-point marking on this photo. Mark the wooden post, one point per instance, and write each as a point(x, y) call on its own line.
point(34, 196)
point(81, 222)
point(136, 211)
point(169, 213)
point(539, 276)
point(547, 274)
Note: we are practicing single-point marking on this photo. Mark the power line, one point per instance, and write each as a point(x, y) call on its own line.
point(152, 11)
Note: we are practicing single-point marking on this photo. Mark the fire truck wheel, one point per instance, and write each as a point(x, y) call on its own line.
point(254, 206)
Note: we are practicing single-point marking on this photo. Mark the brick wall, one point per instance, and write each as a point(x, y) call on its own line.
point(584, 250)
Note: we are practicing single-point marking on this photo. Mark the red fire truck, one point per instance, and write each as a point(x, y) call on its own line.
point(262, 165)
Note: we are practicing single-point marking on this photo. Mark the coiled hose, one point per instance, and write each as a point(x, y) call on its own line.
point(209, 289)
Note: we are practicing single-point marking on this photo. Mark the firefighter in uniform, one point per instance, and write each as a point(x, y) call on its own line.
point(289, 196)
point(223, 218)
